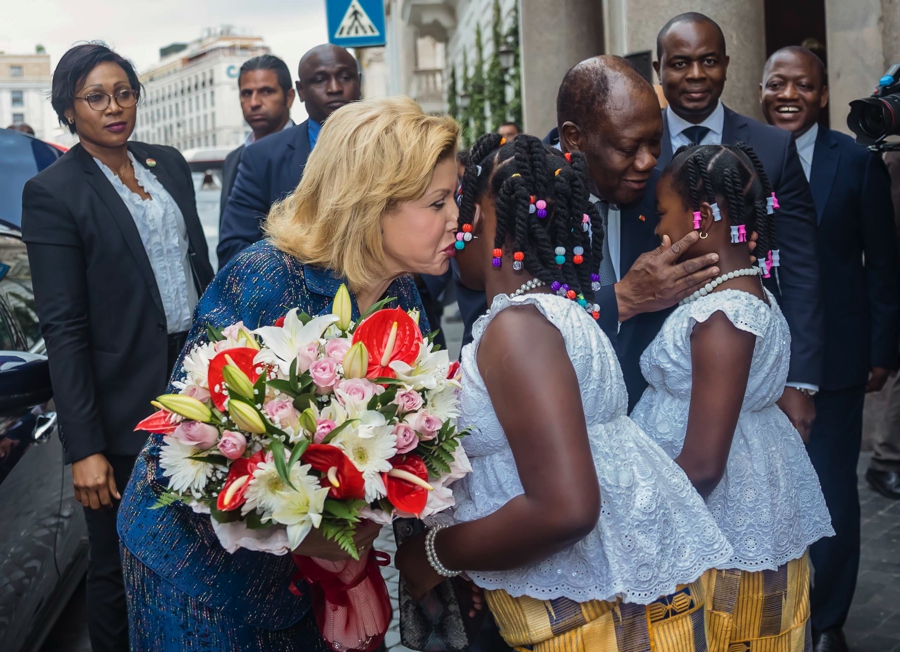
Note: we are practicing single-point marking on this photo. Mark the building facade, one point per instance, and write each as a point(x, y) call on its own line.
point(25, 93)
point(191, 98)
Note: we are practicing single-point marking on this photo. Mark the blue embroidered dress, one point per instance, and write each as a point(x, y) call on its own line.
point(245, 591)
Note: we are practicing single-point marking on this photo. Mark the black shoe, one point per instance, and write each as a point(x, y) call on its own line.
point(887, 483)
point(831, 640)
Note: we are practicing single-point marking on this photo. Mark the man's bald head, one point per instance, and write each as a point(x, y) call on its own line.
point(585, 93)
point(328, 79)
point(609, 112)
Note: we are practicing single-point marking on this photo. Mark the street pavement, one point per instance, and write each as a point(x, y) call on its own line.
point(873, 626)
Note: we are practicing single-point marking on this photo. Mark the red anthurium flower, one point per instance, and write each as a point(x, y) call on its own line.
point(389, 335)
point(341, 475)
point(242, 357)
point(161, 421)
point(453, 371)
point(239, 476)
point(407, 483)
point(280, 322)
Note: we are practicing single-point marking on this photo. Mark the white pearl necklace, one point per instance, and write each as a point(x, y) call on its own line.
point(712, 285)
point(528, 287)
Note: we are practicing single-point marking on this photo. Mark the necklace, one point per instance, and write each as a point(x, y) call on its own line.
point(527, 287)
point(712, 285)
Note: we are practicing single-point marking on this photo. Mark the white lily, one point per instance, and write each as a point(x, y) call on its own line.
point(300, 509)
point(283, 344)
point(370, 455)
point(430, 369)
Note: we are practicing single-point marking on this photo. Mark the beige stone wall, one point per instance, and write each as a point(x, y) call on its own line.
point(35, 67)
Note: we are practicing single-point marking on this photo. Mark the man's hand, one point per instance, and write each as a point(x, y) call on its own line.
point(800, 409)
point(95, 484)
point(316, 545)
point(877, 378)
point(657, 281)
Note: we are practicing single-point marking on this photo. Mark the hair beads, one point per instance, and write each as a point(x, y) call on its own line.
point(498, 258)
point(518, 257)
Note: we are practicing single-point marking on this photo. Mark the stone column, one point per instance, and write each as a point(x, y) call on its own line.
point(637, 23)
point(553, 37)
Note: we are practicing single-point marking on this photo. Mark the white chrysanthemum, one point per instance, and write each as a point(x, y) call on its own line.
point(443, 401)
point(300, 508)
point(370, 454)
point(196, 364)
point(185, 475)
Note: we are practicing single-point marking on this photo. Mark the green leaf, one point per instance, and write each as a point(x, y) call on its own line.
point(304, 380)
point(341, 532)
point(386, 381)
point(259, 389)
point(293, 375)
point(389, 411)
point(298, 451)
point(342, 510)
point(304, 318)
point(254, 521)
point(334, 433)
point(304, 401)
point(214, 334)
point(277, 449)
point(230, 516)
point(283, 386)
point(165, 499)
point(375, 308)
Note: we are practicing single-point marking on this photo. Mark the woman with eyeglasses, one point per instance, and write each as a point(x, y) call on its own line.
point(118, 261)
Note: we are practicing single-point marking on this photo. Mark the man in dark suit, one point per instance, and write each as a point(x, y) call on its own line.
point(858, 256)
point(692, 66)
point(266, 96)
point(270, 170)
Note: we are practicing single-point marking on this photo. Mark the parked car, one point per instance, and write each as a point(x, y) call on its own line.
point(43, 537)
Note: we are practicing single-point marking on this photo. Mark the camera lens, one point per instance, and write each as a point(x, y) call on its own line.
point(872, 119)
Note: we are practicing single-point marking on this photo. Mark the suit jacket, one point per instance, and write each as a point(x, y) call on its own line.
point(796, 284)
point(858, 250)
point(229, 172)
point(268, 171)
point(98, 301)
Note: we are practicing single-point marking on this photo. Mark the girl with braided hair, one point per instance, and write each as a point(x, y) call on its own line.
point(578, 527)
point(715, 371)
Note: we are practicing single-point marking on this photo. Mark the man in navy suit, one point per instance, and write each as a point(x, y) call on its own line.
point(692, 66)
point(270, 170)
point(858, 256)
point(266, 95)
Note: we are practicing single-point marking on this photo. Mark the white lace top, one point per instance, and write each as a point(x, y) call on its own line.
point(163, 231)
point(654, 531)
point(769, 503)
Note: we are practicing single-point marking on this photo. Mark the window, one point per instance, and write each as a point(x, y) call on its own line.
point(15, 71)
point(204, 100)
point(214, 140)
point(211, 82)
point(18, 322)
point(206, 141)
point(17, 98)
point(212, 98)
point(192, 142)
point(191, 127)
point(18, 117)
point(213, 120)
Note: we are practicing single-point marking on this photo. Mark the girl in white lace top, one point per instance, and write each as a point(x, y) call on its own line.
point(580, 528)
point(715, 371)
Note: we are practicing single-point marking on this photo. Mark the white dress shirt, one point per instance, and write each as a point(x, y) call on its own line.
point(613, 234)
point(715, 123)
point(251, 137)
point(806, 147)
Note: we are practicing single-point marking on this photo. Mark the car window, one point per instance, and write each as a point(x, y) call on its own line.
point(19, 328)
point(21, 157)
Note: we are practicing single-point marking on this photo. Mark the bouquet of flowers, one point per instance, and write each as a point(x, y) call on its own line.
point(315, 423)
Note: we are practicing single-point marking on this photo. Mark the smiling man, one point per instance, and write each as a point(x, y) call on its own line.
point(692, 66)
point(858, 252)
point(270, 170)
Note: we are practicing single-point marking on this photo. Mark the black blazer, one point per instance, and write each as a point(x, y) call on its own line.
point(796, 284)
point(99, 305)
point(268, 171)
point(858, 250)
point(229, 172)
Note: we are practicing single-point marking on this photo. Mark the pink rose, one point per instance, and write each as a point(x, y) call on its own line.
point(231, 332)
point(356, 390)
point(323, 428)
point(306, 355)
point(194, 433)
point(282, 412)
point(324, 374)
point(425, 424)
point(407, 439)
point(196, 392)
point(233, 444)
point(337, 348)
point(409, 400)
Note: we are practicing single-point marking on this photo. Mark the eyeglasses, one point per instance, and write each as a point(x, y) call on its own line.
point(125, 98)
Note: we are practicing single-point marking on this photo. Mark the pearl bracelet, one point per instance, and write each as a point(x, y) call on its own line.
point(438, 567)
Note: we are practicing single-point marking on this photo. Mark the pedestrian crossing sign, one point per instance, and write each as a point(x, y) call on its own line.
point(355, 23)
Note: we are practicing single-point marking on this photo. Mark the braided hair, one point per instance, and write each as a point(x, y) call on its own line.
point(544, 214)
point(734, 176)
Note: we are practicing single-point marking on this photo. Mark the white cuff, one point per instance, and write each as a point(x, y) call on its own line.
point(812, 388)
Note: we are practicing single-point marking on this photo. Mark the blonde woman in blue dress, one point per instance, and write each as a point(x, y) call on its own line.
point(715, 371)
point(583, 533)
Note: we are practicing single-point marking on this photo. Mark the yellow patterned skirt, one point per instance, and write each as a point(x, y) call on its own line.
point(674, 623)
point(766, 611)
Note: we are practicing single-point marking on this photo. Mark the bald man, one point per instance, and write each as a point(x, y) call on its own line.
point(272, 168)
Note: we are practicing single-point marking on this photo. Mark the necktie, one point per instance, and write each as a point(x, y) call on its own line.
point(607, 271)
point(696, 134)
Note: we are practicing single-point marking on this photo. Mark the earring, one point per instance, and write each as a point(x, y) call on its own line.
point(703, 236)
point(71, 121)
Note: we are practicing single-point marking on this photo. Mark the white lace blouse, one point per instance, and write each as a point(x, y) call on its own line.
point(654, 532)
point(769, 503)
point(161, 226)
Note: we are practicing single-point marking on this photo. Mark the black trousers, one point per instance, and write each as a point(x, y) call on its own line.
point(107, 613)
point(834, 451)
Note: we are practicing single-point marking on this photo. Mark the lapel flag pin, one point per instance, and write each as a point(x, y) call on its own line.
point(642, 218)
point(151, 163)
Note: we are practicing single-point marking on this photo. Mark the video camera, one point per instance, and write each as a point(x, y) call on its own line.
point(876, 117)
